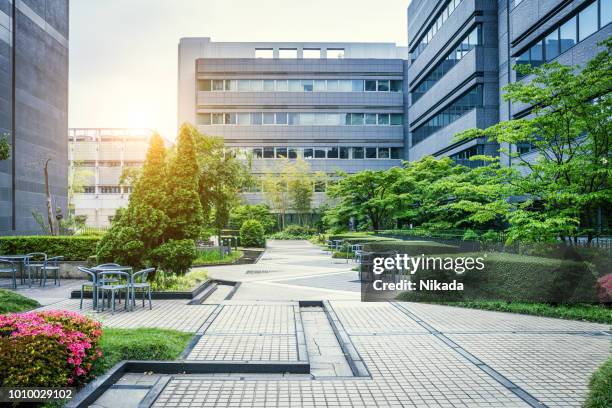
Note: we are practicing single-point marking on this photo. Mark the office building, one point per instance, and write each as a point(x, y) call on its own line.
point(461, 53)
point(98, 158)
point(33, 110)
point(340, 106)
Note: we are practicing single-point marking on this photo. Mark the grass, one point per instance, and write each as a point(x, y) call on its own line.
point(140, 344)
point(591, 313)
point(178, 283)
point(213, 257)
point(600, 387)
point(11, 302)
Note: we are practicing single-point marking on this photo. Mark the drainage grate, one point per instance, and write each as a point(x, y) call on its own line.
point(255, 271)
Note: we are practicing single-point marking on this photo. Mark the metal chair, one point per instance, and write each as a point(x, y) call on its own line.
point(7, 266)
point(36, 261)
point(92, 284)
point(111, 282)
point(52, 266)
point(143, 285)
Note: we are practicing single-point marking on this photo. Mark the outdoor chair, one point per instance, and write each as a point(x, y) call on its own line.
point(89, 284)
point(34, 261)
point(111, 281)
point(139, 281)
point(8, 267)
point(53, 267)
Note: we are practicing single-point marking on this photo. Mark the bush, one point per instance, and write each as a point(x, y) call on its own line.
point(72, 248)
point(50, 349)
point(412, 248)
point(604, 289)
point(295, 232)
point(169, 282)
point(259, 212)
point(252, 234)
point(600, 387)
point(174, 256)
point(470, 235)
point(11, 302)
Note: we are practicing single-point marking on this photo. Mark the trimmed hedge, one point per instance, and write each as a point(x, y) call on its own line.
point(600, 387)
point(515, 278)
point(252, 234)
point(72, 248)
point(412, 248)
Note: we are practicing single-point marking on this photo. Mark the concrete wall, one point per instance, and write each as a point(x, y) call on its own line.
point(33, 59)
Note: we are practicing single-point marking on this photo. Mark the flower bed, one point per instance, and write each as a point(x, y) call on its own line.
point(50, 349)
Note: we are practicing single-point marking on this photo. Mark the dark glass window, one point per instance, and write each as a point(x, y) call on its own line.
point(332, 153)
point(370, 85)
point(308, 153)
point(396, 152)
point(357, 152)
point(567, 34)
point(383, 153)
point(292, 153)
point(551, 45)
point(396, 85)
point(344, 152)
point(320, 153)
point(281, 152)
point(357, 119)
point(257, 153)
point(370, 118)
point(383, 86)
point(397, 119)
point(268, 152)
point(370, 153)
point(383, 118)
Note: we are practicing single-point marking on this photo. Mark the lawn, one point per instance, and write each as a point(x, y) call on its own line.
point(213, 257)
point(591, 313)
point(600, 387)
point(140, 344)
point(11, 302)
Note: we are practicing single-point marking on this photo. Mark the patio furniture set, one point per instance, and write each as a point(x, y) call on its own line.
point(35, 264)
point(336, 245)
point(109, 281)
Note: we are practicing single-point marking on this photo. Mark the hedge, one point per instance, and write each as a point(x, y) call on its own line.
point(412, 248)
point(600, 387)
point(72, 248)
point(515, 278)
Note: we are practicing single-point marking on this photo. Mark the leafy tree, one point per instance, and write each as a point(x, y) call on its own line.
point(259, 212)
point(252, 234)
point(183, 205)
point(366, 196)
point(221, 179)
point(569, 130)
point(5, 147)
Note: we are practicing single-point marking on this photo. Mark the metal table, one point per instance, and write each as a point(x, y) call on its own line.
point(20, 262)
point(98, 270)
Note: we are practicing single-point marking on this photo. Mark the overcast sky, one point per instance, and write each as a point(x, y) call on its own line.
point(123, 53)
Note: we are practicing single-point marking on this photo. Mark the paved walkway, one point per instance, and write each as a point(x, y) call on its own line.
point(361, 354)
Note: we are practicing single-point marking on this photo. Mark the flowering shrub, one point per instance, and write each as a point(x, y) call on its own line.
point(51, 348)
point(604, 288)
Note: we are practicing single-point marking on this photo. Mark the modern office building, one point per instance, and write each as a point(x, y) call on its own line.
point(462, 53)
point(338, 105)
point(98, 158)
point(33, 110)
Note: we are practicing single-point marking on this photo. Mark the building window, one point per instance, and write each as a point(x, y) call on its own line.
point(268, 153)
point(433, 28)
point(264, 53)
point(465, 103)
point(217, 85)
point(89, 190)
point(335, 53)
point(370, 153)
point(567, 34)
point(287, 53)
point(463, 157)
point(299, 85)
point(311, 53)
point(451, 59)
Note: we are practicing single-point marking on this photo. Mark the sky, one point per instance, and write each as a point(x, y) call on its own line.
point(123, 53)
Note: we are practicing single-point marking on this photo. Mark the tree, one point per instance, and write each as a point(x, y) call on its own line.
point(5, 147)
point(221, 179)
point(259, 212)
point(300, 186)
point(567, 187)
point(366, 196)
point(183, 206)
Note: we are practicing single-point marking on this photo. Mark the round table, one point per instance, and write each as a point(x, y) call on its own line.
point(20, 262)
point(99, 269)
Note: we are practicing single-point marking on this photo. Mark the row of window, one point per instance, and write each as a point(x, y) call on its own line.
point(302, 119)
point(434, 27)
point(461, 49)
point(293, 53)
point(468, 101)
point(463, 157)
point(581, 25)
point(334, 152)
point(107, 189)
point(300, 85)
point(319, 186)
point(107, 163)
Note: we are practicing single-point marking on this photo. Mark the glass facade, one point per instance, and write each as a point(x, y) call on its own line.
point(463, 157)
point(328, 152)
point(452, 58)
point(470, 100)
point(567, 34)
point(434, 27)
point(300, 85)
point(301, 119)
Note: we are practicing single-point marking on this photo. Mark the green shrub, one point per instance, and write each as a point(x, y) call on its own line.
point(169, 282)
point(72, 248)
point(174, 256)
point(259, 212)
point(252, 234)
point(295, 232)
point(412, 248)
point(515, 278)
point(470, 235)
point(600, 387)
point(122, 245)
point(11, 302)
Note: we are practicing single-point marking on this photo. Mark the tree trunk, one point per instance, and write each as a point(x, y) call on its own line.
point(48, 193)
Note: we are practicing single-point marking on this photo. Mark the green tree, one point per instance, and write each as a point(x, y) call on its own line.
point(183, 205)
point(567, 186)
point(300, 186)
point(259, 212)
